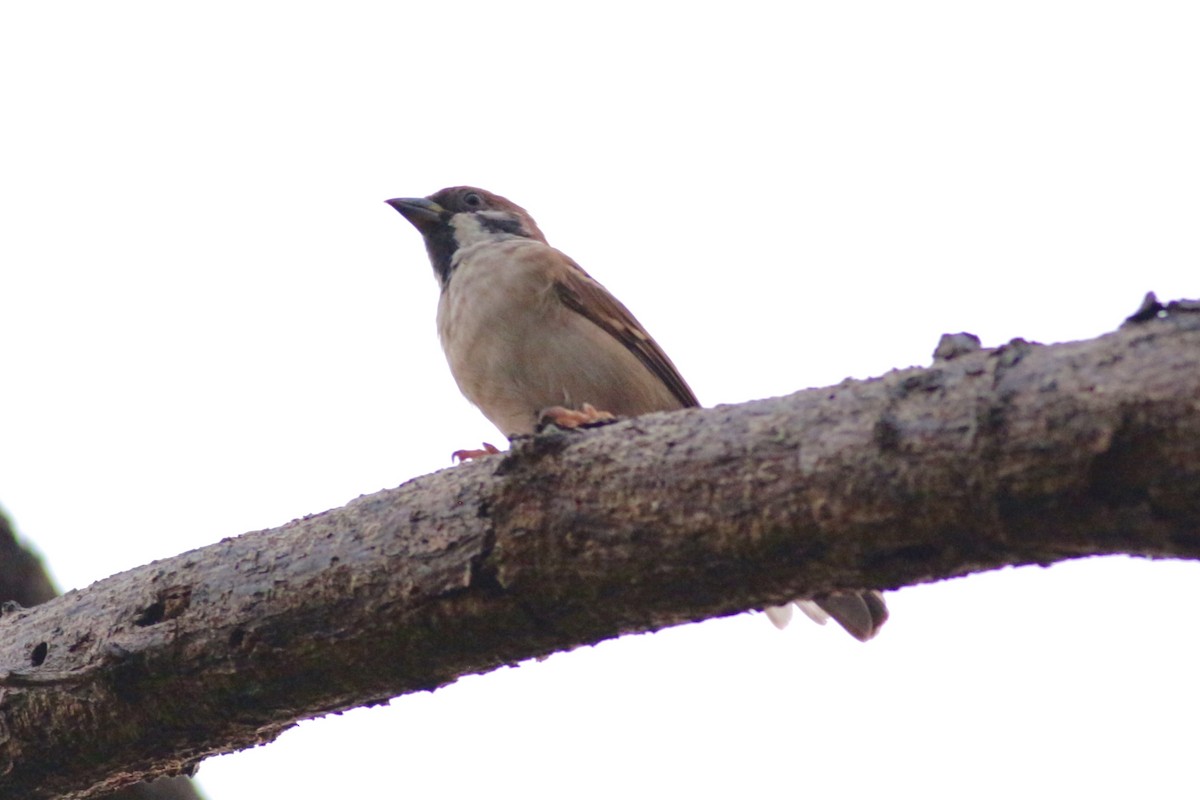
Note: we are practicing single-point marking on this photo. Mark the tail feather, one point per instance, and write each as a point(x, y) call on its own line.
point(780, 616)
point(862, 614)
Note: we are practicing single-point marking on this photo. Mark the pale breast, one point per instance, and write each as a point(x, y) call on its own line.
point(514, 349)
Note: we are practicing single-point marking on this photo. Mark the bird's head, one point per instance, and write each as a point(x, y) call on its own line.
point(459, 217)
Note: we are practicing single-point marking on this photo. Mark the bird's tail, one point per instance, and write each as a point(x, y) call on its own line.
point(862, 614)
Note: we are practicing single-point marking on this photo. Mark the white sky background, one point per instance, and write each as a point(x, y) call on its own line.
point(211, 323)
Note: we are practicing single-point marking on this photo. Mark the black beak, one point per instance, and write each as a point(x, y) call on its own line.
point(422, 213)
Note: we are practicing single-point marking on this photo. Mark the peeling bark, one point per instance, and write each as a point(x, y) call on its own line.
point(1017, 455)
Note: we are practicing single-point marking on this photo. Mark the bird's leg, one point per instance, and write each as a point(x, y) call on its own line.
point(466, 455)
point(571, 418)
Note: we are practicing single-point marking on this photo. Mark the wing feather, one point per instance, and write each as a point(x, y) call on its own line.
point(582, 294)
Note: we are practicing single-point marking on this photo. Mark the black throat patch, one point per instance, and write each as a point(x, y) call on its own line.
point(440, 245)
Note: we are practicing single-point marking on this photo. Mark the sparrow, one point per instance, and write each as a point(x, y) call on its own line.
point(529, 335)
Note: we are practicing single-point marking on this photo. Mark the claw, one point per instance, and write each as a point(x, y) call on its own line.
point(570, 418)
point(467, 455)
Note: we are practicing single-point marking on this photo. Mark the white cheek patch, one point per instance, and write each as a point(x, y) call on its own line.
point(467, 230)
point(482, 229)
point(470, 229)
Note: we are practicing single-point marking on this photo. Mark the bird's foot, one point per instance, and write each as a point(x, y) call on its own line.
point(570, 418)
point(468, 455)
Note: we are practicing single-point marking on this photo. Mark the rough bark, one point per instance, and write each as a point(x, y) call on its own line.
point(1021, 454)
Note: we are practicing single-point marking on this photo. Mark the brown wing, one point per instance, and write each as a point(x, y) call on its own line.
point(581, 293)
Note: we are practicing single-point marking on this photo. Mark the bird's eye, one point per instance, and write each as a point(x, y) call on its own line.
point(472, 200)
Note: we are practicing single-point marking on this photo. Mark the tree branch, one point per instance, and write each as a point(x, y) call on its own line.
point(1022, 454)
